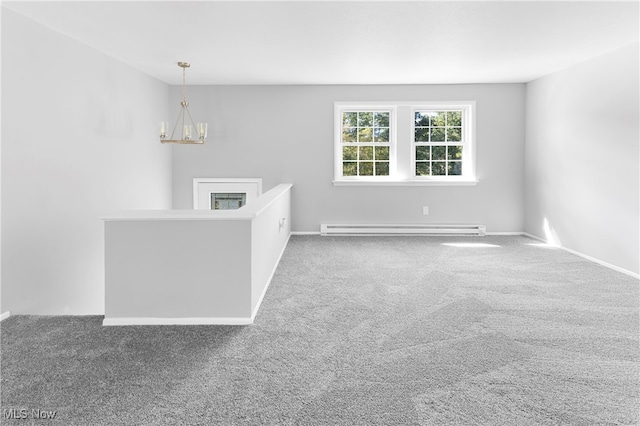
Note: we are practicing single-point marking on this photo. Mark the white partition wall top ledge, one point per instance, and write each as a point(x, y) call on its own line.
point(238, 214)
point(246, 212)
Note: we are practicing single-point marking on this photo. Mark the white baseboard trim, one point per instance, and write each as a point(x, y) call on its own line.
point(264, 291)
point(488, 233)
point(5, 315)
point(585, 256)
point(535, 237)
point(175, 321)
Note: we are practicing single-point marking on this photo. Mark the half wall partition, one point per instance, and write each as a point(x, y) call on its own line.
point(194, 266)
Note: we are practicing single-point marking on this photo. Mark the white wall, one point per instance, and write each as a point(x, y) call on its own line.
point(178, 269)
point(285, 134)
point(78, 140)
point(2, 312)
point(270, 231)
point(582, 158)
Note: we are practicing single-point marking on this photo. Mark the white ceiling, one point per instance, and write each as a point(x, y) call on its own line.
point(340, 42)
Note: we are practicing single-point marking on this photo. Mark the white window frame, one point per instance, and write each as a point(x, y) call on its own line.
point(204, 187)
point(468, 136)
point(341, 107)
point(402, 161)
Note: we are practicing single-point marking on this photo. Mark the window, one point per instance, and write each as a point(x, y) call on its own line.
point(425, 143)
point(365, 141)
point(228, 201)
point(438, 142)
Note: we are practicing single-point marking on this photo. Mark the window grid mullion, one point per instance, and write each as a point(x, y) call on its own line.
point(447, 143)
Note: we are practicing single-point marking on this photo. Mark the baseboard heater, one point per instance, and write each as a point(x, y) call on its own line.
point(415, 229)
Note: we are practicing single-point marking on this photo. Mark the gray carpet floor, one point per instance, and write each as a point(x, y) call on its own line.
point(358, 331)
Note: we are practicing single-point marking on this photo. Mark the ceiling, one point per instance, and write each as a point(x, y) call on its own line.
point(344, 42)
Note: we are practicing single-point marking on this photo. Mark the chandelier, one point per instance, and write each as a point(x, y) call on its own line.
point(186, 126)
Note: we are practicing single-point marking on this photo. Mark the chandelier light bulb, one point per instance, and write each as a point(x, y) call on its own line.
point(164, 128)
point(202, 131)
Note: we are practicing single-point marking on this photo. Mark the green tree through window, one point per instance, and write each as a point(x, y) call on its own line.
point(438, 142)
point(365, 143)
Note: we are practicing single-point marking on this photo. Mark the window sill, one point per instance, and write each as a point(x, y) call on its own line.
point(414, 182)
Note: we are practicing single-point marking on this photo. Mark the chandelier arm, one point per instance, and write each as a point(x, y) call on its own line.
point(191, 118)
point(182, 126)
point(177, 121)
